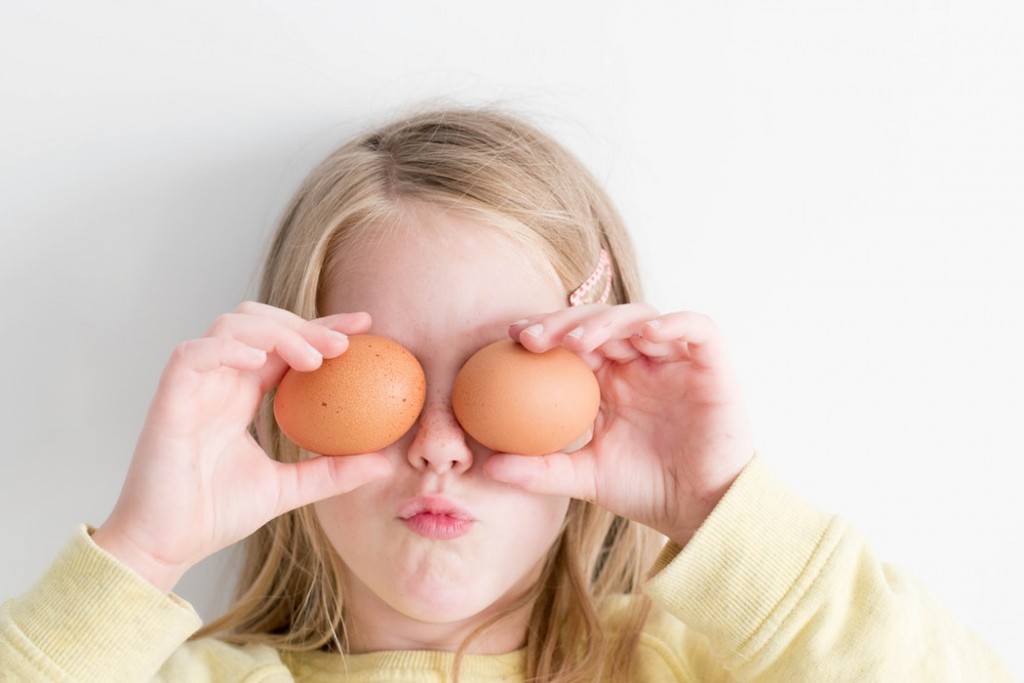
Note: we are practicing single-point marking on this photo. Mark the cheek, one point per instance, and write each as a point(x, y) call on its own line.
point(345, 521)
point(523, 541)
point(531, 526)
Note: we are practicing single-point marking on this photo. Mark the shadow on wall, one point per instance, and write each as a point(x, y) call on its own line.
point(112, 260)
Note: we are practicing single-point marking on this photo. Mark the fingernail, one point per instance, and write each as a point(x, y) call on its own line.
point(651, 325)
point(336, 336)
point(312, 352)
point(534, 330)
point(577, 333)
point(519, 323)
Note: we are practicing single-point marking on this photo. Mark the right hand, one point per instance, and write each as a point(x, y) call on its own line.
point(198, 481)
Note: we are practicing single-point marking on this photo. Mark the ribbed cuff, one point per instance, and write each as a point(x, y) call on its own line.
point(747, 566)
point(97, 620)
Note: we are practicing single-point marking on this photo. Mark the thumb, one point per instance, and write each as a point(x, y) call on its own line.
point(324, 476)
point(556, 474)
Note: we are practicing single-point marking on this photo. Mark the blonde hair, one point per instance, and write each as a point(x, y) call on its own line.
point(497, 167)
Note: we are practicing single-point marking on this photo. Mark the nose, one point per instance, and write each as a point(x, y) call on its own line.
point(440, 444)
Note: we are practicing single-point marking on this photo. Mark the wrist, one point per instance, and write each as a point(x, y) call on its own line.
point(163, 575)
point(681, 533)
point(699, 506)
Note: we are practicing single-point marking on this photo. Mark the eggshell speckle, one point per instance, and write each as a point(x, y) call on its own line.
point(513, 400)
point(361, 401)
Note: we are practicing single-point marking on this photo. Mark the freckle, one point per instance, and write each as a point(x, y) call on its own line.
point(323, 403)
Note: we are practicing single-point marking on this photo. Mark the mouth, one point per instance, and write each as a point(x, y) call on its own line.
point(435, 518)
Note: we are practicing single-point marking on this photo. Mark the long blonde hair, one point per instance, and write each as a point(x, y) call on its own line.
point(496, 166)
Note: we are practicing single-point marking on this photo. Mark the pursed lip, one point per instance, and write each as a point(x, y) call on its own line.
point(435, 518)
point(433, 505)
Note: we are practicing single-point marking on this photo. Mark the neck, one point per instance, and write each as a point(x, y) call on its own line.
point(372, 626)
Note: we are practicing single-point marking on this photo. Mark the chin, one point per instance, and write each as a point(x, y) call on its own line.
point(443, 604)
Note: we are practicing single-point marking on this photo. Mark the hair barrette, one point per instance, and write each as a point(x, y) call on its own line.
point(600, 279)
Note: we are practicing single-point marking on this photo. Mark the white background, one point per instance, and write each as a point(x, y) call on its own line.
point(840, 185)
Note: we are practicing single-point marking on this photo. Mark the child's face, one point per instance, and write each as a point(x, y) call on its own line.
point(444, 287)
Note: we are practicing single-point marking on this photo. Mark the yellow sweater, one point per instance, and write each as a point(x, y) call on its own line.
point(769, 589)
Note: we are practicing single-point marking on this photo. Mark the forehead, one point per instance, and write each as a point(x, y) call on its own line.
point(439, 272)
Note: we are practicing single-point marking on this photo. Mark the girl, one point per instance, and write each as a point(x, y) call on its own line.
point(657, 548)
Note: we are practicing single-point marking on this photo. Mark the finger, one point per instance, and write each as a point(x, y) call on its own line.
point(703, 343)
point(191, 361)
point(325, 476)
point(553, 324)
point(212, 353)
point(587, 329)
point(619, 350)
point(318, 332)
point(350, 323)
point(555, 474)
point(661, 352)
point(291, 340)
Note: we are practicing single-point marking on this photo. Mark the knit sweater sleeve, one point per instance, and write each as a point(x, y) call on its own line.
point(89, 618)
point(783, 592)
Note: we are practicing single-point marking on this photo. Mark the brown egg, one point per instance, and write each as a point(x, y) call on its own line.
point(513, 400)
point(361, 401)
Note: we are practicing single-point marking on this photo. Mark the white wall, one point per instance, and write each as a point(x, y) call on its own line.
point(838, 184)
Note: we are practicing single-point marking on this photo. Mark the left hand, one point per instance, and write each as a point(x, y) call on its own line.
point(672, 433)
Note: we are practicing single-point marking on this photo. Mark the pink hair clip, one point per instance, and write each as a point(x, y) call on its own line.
point(601, 277)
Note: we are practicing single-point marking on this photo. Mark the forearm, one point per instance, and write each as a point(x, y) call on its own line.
point(90, 618)
point(786, 593)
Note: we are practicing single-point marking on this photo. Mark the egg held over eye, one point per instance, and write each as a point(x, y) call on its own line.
point(513, 400)
point(361, 401)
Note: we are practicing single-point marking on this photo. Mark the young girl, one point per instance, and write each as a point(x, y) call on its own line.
point(657, 548)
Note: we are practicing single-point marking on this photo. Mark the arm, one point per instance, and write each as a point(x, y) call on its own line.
point(90, 618)
point(198, 482)
point(787, 593)
point(782, 592)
